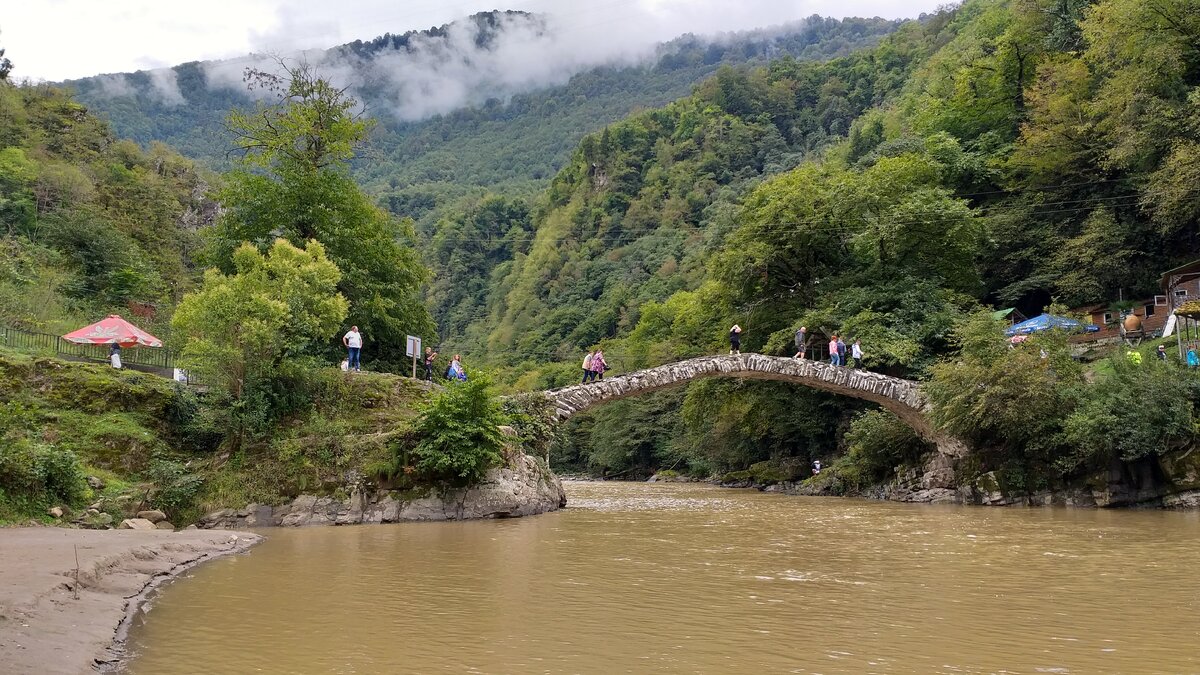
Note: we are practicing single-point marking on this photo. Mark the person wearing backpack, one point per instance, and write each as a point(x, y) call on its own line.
point(455, 372)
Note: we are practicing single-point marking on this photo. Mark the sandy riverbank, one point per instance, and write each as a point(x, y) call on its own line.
point(45, 629)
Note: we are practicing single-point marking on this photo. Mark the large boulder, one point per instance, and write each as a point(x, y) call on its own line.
point(154, 516)
point(136, 524)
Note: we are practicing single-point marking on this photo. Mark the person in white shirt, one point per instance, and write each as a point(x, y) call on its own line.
point(856, 354)
point(353, 342)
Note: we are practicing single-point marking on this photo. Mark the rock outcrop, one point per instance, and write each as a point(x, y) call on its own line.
point(523, 488)
point(1169, 481)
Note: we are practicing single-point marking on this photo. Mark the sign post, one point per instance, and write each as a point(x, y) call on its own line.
point(412, 347)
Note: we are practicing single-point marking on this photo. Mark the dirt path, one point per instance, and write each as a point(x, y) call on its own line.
point(45, 629)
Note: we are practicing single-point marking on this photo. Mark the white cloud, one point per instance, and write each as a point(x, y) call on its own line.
point(61, 39)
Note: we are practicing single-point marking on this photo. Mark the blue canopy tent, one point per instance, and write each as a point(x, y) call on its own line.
point(1049, 322)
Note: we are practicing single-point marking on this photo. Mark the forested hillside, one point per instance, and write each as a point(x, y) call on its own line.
point(1001, 153)
point(90, 223)
point(516, 139)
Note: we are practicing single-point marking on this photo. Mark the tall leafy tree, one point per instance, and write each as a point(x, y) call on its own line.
point(294, 182)
point(242, 331)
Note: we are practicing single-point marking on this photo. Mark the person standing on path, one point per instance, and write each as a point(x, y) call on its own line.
point(599, 365)
point(856, 353)
point(430, 356)
point(801, 342)
point(587, 366)
point(353, 342)
point(735, 339)
point(833, 350)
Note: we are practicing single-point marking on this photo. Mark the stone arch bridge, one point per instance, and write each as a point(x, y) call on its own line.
point(901, 397)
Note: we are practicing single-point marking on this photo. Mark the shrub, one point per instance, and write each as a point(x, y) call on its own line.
point(532, 415)
point(34, 477)
point(1010, 401)
point(459, 435)
point(878, 444)
point(175, 488)
point(1137, 410)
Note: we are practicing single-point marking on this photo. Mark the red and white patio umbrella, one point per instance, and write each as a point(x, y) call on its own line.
point(113, 329)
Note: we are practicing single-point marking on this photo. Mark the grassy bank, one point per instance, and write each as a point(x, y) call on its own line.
point(151, 444)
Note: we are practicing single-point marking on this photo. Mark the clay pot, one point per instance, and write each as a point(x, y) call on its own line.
point(1133, 322)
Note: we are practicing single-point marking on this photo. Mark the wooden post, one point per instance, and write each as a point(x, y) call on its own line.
point(1179, 335)
point(414, 364)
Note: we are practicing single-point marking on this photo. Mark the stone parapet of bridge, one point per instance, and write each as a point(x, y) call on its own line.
point(901, 397)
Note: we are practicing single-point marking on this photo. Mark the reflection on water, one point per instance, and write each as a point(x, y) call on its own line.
point(637, 578)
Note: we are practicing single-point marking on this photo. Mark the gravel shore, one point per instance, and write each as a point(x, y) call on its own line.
point(44, 628)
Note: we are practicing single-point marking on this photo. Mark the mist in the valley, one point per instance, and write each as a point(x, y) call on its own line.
point(474, 61)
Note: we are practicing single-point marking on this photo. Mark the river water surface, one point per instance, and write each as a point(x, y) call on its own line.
point(637, 578)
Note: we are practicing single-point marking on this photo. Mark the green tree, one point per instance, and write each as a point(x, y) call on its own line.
point(294, 182)
point(1009, 401)
point(459, 433)
point(1139, 410)
point(240, 331)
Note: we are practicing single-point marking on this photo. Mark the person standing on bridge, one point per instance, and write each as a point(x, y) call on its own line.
point(599, 365)
point(841, 352)
point(801, 342)
point(587, 366)
point(735, 339)
point(833, 350)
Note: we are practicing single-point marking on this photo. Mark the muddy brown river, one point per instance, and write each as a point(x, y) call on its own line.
point(637, 578)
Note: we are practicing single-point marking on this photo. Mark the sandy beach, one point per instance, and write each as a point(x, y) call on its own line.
point(45, 629)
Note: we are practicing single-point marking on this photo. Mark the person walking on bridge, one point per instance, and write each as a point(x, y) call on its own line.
point(587, 366)
point(735, 339)
point(856, 354)
point(833, 350)
point(599, 365)
point(801, 342)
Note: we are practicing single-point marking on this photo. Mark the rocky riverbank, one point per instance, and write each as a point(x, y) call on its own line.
point(525, 487)
point(62, 616)
point(1170, 481)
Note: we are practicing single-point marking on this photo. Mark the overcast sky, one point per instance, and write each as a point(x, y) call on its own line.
point(62, 39)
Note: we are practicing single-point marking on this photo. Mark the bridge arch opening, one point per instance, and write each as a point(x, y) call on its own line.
point(901, 397)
